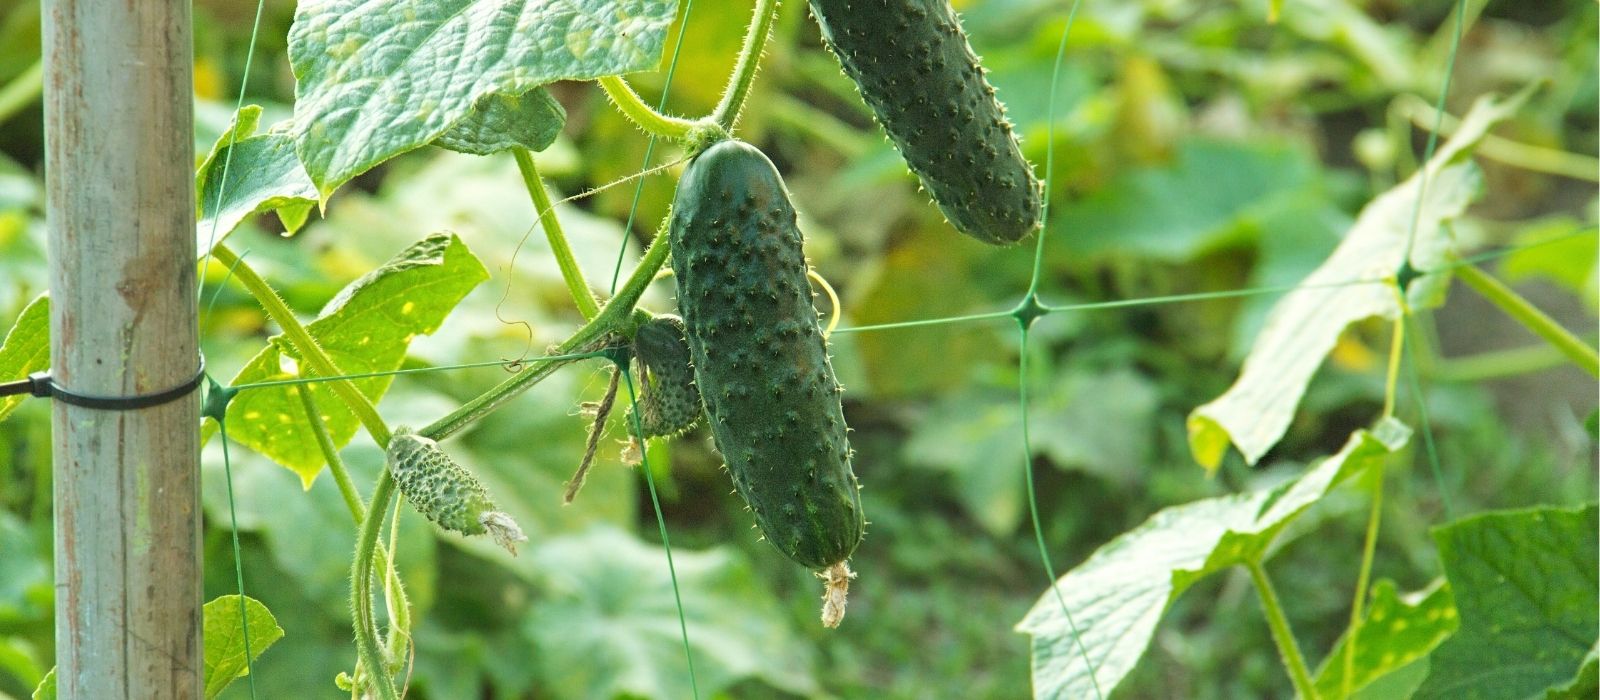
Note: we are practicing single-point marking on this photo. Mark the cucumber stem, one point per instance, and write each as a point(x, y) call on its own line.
point(1531, 318)
point(646, 117)
point(744, 72)
point(570, 272)
point(366, 634)
point(1281, 634)
point(366, 631)
point(302, 341)
point(615, 316)
point(1363, 579)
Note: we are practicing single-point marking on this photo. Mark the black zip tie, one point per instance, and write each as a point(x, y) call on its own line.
point(42, 385)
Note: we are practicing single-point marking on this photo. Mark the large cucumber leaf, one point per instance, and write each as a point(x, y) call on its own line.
point(1396, 632)
point(1350, 286)
point(1117, 596)
point(378, 79)
point(263, 174)
point(1525, 583)
point(365, 329)
point(500, 122)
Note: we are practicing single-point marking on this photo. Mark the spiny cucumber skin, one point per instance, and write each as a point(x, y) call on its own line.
point(760, 360)
point(913, 66)
point(436, 486)
point(669, 404)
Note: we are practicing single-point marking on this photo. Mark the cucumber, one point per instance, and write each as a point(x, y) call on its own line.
point(913, 66)
point(760, 361)
point(446, 492)
point(669, 402)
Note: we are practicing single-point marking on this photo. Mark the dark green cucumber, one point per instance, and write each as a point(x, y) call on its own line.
point(760, 360)
point(914, 68)
point(669, 402)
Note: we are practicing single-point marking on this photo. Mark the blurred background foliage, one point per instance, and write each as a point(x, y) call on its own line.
point(1198, 147)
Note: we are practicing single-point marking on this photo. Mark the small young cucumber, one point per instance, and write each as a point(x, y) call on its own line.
point(669, 402)
point(760, 360)
point(912, 63)
point(446, 492)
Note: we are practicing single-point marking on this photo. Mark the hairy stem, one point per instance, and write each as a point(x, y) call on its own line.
point(1518, 308)
point(310, 352)
point(629, 103)
point(22, 90)
point(744, 72)
point(367, 649)
point(615, 316)
point(1281, 634)
point(393, 591)
point(330, 454)
point(570, 272)
point(366, 633)
point(1363, 578)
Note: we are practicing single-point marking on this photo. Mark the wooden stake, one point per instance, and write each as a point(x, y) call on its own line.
point(119, 175)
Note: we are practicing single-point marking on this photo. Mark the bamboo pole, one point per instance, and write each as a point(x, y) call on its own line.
point(119, 177)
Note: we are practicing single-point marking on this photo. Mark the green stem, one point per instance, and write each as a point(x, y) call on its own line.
point(1281, 634)
point(393, 591)
point(22, 90)
point(367, 648)
point(310, 352)
point(394, 595)
point(1363, 579)
point(744, 72)
point(1497, 364)
point(1553, 161)
point(1396, 346)
point(615, 316)
point(634, 108)
point(1580, 353)
point(330, 454)
point(366, 632)
point(576, 285)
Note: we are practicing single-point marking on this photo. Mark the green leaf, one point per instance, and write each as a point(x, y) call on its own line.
point(378, 79)
point(975, 437)
point(225, 639)
point(1177, 211)
point(1525, 584)
point(263, 174)
point(500, 122)
point(609, 623)
point(365, 329)
point(1349, 286)
point(47, 687)
point(243, 126)
point(1560, 250)
point(26, 349)
point(1117, 596)
point(1397, 631)
point(1585, 684)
